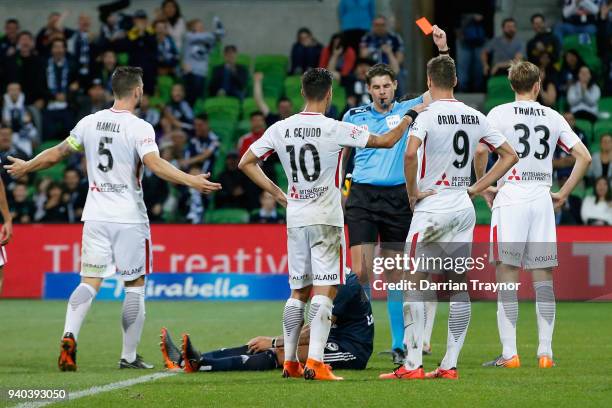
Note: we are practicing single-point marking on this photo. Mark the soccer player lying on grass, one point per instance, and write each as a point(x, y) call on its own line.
point(349, 344)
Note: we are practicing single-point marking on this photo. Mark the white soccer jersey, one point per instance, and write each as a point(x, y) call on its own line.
point(114, 142)
point(309, 146)
point(449, 131)
point(533, 131)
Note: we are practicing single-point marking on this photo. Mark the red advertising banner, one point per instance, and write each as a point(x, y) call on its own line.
point(584, 272)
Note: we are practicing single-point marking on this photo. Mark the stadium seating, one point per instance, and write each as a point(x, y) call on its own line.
point(164, 87)
point(587, 127)
point(601, 127)
point(281, 177)
point(249, 106)
point(274, 68)
point(293, 85)
point(499, 86)
point(586, 46)
point(227, 216)
point(605, 105)
point(222, 108)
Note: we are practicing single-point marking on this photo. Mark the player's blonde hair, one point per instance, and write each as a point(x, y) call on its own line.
point(523, 75)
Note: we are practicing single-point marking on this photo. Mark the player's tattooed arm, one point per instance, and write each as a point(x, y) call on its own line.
point(583, 161)
point(166, 171)
point(507, 159)
point(410, 172)
point(249, 166)
point(45, 159)
point(389, 139)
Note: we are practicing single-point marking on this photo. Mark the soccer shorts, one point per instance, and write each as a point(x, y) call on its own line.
point(316, 256)
point(3, 258)
point(436, 237)
point(109, 248)
point(374, 212)
point(341, 356)
point(525, 235)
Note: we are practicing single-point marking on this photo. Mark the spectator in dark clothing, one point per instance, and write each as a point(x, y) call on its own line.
point(305, 52)
point(18, 117)
point(142, 48)
point(94, 101)
point(202, 148)
point(267, 213)
point(238, 191)
point(20, 205)
point(61, 76)
point(549, 78)
point(355, 19)
point(148, 113)
point(564, 162)
point(156, 193)
point(472, 37)
point(113, 25)
point(28, 69)
point(105, 70)
point(81, 46)
point(579, 17)
point(583, 96)
point(572, 62)
point(178, 112)
point(75, 194)
point(167, 52)
point(56, 211)
point(382, 46)
point(229, 79)
point(356, 85)
point(284, 105)
point(54, 30)
point(192, 202)
point(8, 43)
point(8, 149)
point(544, 41)
point(338, 57)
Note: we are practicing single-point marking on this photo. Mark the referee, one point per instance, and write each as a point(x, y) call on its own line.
point(377, 208)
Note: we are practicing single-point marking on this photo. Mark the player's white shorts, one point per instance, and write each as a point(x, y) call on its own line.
point(437, 236)
point(112, 248)
point(525, 234)
point(3, 258)
point(316, 256)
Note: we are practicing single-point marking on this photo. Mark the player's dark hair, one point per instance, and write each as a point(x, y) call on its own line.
point(316, 83)
point(125, 79)
point(537, 15)
point(523, 75)
point(256, 113)
point(442, 72)
point(379, 70)
point(507, 20)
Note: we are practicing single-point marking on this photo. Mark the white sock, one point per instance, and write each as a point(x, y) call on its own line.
point(458, 322)
point(132, 321)
point(78, 306)
point(414, 328)
point(507, 316)
point(319, 326)
point(545, 312)
point(431, 305)
point(293, 320)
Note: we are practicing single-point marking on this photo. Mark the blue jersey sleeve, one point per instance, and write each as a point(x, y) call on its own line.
point(347, 117)
point(411, 102)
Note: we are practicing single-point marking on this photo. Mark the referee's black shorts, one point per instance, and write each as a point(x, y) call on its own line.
point(374, 212)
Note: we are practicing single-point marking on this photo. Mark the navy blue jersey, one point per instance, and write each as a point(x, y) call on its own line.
point(354, 324)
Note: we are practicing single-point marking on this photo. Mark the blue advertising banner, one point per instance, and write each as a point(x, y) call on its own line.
point(180, 286)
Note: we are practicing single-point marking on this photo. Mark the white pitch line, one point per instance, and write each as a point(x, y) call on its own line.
point(97, 390)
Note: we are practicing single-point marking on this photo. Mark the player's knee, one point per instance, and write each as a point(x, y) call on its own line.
point(93, 282)
point(301, 294)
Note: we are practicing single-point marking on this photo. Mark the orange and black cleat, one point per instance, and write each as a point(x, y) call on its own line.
point(292, 369)
point(170, 353)
point(450, 374)
point(545, 361)
point(316, 370)
point(402, 373)
point(512, 362)
point(191, 357)
point(67, 357)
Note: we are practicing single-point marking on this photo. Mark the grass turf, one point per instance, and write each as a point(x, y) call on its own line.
point(32, 328)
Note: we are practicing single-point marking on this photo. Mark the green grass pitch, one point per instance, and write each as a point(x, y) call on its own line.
point(31, 331)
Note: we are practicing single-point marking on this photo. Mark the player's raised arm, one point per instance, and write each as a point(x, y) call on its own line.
point(389, 139)
point(164, 170)
point(583, 161)
point(45, 159)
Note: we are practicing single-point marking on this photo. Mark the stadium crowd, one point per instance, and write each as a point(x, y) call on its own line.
point(208, 102)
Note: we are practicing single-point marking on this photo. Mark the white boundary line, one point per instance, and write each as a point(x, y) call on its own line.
point(98, 389)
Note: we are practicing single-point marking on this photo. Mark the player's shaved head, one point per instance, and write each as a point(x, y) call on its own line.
point(523, 75)
point(441, 72)
point(124, 80)
point(316, 83)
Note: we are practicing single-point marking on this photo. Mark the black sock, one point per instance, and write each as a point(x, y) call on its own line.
point(226, 352)
point(244, 362)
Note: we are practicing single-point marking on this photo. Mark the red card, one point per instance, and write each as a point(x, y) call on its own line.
point(425, 25)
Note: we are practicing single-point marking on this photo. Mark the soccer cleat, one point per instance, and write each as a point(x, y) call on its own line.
point(450, 374)
point(67, 357)
point(398, 356)
point(402, 373)
point(138, 363)
point(545, 361)
point(512, 362)
point(191, 356)
point(427, 350)
point(292, 369)
point(316, 370)
point(170, 353)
